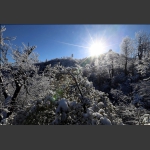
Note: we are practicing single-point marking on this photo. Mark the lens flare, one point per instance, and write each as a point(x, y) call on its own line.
point(97, 48)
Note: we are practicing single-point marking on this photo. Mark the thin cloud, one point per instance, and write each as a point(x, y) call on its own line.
point(71, 44)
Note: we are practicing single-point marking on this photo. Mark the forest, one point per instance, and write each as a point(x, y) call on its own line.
point(109, 89)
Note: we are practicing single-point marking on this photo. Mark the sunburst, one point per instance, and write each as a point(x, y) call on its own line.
point(97, 48)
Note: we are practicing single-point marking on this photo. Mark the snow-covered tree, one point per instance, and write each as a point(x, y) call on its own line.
point(15, 74)
point(142, 43)
point(112, 62)
point(126, 49)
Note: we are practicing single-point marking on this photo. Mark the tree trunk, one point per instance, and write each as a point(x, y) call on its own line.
point(4, 90)
point(125, 71)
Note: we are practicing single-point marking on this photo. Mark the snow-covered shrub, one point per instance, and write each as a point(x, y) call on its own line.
point(143, 68)
point(145, 119)
point(62, 106)
point(14, 77)
point(78, 102)
point(118, 97)
point(141, 92)
point(105, 121)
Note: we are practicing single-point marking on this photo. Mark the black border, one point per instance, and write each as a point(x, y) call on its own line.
point(71, 12)
point(74, 137)
point(74, 12)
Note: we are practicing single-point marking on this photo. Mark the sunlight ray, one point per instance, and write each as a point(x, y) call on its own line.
point(72, 44)
point(89, 33)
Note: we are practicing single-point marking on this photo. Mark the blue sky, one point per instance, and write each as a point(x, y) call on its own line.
point(56, 41)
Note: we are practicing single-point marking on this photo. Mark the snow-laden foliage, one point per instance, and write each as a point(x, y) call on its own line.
point(69, 95)
point(75, 103)
point(145, 119)
point(141, 93)
point(126, 50)
point(142, 44)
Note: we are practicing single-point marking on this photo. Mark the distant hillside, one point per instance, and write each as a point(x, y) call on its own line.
point(64, 62)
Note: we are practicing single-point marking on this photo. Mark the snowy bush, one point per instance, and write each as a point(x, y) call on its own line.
point(145, 119)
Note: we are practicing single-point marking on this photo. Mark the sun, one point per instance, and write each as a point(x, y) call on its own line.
point(97, 48)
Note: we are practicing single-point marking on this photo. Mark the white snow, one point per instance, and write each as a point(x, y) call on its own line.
point(101, 104)
point(4, 113)
point(101, 111)
point(73, 104)
point(97, 115)
point(105, 121)
point(90, 111)
point(145, 119)
point(62, 106)
point(95, 107)
point(4, 121)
